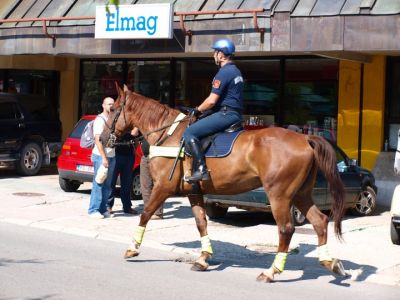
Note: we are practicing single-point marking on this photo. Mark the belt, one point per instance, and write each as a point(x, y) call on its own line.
point(228, 108)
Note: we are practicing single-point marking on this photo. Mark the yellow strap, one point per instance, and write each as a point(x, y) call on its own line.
point(138, 235)
point(206, 244)
point(280, 261)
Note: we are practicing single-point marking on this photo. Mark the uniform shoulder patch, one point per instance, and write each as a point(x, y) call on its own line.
point(216, 83)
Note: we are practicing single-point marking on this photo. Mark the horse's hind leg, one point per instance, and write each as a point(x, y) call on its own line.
point(281, 212)
point(199, 213)
point(320, 223)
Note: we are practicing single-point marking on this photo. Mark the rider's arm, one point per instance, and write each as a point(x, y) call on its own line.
point(209, 102)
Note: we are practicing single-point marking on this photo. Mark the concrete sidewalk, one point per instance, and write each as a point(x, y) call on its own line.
point(367, 252)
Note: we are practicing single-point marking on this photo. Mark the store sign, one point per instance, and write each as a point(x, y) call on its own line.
point(142, 21)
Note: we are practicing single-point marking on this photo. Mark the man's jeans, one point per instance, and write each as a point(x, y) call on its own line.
point(100, 192)
point(123, 167)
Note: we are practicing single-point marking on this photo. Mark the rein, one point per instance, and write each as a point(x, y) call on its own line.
point(160, 139)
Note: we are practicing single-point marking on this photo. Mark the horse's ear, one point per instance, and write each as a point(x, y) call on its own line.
point(126, 89)
point(118, 89)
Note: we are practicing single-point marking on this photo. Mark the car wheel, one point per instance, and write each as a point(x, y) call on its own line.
point(297, 217)
point(68, 185)
point(366, 203)
point(215, 211)
point(31, 157)
point(136, 193)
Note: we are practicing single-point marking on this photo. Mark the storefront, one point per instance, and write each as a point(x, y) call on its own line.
point(298, 91)
point(323, 67)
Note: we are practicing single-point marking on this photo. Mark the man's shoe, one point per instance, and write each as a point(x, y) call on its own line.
point(109, 209)
point(108, 215)
point(96, 215)
point(130, 211)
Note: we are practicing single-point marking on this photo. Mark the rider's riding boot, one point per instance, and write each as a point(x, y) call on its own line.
point(199, 168)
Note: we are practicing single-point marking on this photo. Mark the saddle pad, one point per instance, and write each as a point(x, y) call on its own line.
point(222, 144)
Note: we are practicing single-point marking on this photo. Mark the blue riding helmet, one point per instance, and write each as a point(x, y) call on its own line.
point(226, 46)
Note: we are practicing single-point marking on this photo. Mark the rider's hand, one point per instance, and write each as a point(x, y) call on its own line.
point(195, 112)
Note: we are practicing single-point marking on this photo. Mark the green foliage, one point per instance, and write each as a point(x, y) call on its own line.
point(111, 2)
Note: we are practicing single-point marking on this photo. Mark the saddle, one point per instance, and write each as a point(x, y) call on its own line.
point(220, 144)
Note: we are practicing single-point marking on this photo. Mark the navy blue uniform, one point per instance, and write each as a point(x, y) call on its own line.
point(228, 84)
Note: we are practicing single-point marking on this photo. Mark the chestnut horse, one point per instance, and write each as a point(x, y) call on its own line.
point(284, 162)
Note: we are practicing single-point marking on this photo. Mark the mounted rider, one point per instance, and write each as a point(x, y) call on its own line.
point(225, 101)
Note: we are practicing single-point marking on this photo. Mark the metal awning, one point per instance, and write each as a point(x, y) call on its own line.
point(341, 28)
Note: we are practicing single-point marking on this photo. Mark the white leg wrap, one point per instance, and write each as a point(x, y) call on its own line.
point(323, 253)
point(206, 244)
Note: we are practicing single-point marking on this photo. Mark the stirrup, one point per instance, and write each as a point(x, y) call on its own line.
point(198, 175)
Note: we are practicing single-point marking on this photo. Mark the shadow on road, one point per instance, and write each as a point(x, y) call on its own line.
point(228, 255)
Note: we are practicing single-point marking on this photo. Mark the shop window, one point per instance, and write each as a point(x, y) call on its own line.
point(98, 82)
point(261, 91)
point(150, 79)
point(193, 81)
point(392, 101)
point(37, 91)
point(310, 96)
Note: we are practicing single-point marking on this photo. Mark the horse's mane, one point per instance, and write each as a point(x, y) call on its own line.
point(148, 111)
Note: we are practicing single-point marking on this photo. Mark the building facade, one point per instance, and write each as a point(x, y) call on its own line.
point(329, 67)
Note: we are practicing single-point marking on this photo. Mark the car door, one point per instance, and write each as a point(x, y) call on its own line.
point(320, 192)
point(351, 179)
point(12, 126)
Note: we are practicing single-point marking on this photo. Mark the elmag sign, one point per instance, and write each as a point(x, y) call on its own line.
point(143, 21)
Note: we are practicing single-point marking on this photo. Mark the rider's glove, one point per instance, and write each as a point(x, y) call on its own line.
point(195, 112)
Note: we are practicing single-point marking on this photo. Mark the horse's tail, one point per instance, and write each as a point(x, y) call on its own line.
point(325, 158)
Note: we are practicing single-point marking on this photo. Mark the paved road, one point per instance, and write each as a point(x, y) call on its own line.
point(367, 253)
point(40, 264)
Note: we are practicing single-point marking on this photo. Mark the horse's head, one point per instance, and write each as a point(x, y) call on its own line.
point(397, 157)
point(117, 123)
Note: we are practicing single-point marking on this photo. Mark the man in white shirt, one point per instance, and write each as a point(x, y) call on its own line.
point(101, 156)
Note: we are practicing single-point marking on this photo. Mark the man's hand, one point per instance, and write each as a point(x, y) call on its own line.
point(105, 162)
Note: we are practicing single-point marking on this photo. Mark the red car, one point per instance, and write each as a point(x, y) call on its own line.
point(75, 167)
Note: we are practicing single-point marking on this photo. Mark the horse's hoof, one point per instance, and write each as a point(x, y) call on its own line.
point(130, 253)
point(335, 266)
point(264, 278)
point(197, 266)
point(338, 269)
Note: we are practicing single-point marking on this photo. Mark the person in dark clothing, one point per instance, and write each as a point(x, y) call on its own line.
point(124, 160)
point(146, 181)
point(225, 101)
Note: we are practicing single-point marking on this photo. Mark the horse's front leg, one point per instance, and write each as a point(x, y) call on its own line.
point(199, 213)
point(157, 197)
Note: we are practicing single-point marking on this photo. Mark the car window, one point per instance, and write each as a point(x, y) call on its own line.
point(9, 111)
point(341, 161)
point(78, 129)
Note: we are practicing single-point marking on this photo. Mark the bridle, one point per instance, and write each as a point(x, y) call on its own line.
point(112, 140)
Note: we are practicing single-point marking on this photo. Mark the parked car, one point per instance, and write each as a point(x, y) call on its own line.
point(360, 193)
point(395, 216)
point(30, 132)
point(75, 167)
